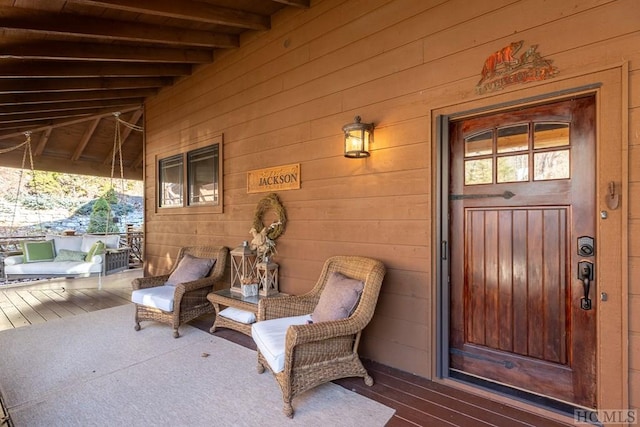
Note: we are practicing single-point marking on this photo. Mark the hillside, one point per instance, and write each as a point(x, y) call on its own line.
point(53, 202)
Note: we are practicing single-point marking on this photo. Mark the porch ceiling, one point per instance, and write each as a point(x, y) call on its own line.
point(67, 65)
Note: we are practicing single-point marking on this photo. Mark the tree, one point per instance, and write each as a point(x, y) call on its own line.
point(101, 216)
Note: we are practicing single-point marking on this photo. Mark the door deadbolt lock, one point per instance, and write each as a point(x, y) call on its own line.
point(586, 246)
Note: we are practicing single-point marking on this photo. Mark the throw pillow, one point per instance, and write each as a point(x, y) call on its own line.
point(339, 298)
point(69, 255)
point(38, 251)
point(189, 269)
point(97, 248)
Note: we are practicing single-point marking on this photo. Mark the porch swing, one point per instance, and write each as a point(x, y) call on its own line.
point(113, 256)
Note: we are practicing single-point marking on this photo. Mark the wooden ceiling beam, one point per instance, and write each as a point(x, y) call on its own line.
point(39, 119)
point(88, 133)
point(188, 10)
point(60, 163)
point(42, 143)
point(137, 163)
point(20, 99)
point(26, 85)
point(16, 19)
point(9, 111)
point(62, 69)
point(59, 50)
point(62, 123)
point(304, 4)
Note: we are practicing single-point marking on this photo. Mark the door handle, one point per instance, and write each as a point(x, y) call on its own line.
point(585, 274)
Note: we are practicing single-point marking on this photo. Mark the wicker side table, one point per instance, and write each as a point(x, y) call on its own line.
point(227, 298)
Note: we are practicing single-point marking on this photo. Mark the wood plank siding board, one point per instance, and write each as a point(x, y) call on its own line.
point(282, 98)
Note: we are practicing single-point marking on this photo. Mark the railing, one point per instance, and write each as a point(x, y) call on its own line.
point(135, 241)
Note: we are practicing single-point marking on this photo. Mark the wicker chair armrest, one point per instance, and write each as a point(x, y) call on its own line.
point(149, 282)
point(302, 334)
point(286, 306)
point(206, 282)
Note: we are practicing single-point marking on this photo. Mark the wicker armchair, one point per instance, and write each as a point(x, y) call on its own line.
point(190, 298)
point(324, 351)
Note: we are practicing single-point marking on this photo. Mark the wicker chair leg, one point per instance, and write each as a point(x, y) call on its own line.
point(288, 409)
point(137, 326)
point(176, 334)
point(260, 368)
point(368, 380)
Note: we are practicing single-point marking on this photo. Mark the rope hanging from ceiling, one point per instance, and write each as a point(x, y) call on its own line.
point(117, 158)
point(131, 126)
point(27, 153)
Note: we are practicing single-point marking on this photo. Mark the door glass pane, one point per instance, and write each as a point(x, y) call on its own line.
point(513, 138)
point(551, 165)
point(546, 135)
point(478, 171)
point(479, 144)
point(513, 168)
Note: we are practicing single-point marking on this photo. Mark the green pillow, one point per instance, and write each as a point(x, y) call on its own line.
point(38, 251)
point(69, 255)
point(98, 248)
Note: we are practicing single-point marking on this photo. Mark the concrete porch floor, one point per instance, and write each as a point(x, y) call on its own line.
point(417, 401)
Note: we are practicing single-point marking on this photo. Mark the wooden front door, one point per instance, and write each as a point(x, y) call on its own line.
point(522, 212)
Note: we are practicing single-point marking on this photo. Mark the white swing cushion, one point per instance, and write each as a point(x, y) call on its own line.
point(69, 243)
point(111, 241)
point(270, 337)
point(160, 297)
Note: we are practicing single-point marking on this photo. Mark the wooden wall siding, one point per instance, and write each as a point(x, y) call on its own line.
point(283, 96)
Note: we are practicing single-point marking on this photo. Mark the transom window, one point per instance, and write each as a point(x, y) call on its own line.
point(534, 151)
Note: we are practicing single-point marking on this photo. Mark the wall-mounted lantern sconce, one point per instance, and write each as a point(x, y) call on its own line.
point(357, 137)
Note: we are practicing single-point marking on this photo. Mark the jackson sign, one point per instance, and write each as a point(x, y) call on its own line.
point(286, 177)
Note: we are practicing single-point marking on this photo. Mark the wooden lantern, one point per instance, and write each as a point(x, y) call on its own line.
point(267, 277)
point(243, 265)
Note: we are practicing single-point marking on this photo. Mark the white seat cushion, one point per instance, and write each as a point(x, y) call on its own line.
point(160, 297)
point(238, 315)
point(270, 336)
point(54, 268)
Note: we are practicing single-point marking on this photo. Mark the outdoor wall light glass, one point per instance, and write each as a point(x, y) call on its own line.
point(357, 137)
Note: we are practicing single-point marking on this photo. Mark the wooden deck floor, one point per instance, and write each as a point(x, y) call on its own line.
point(417, 401)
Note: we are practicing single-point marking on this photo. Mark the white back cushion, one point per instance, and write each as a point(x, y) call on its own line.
point(111, 241)
point(71, 243)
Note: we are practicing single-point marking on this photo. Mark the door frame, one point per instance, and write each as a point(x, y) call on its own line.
point(610, 87)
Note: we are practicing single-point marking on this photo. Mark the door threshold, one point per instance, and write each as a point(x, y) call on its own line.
point(562, 410)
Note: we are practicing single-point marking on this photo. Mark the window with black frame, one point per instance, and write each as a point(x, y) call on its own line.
point(191, 179)
point(171, 176)
point(202, 167)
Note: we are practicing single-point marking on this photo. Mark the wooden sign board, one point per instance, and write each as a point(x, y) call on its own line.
point(286, 177)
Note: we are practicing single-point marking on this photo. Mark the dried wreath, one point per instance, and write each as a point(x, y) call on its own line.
point(277, 228)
